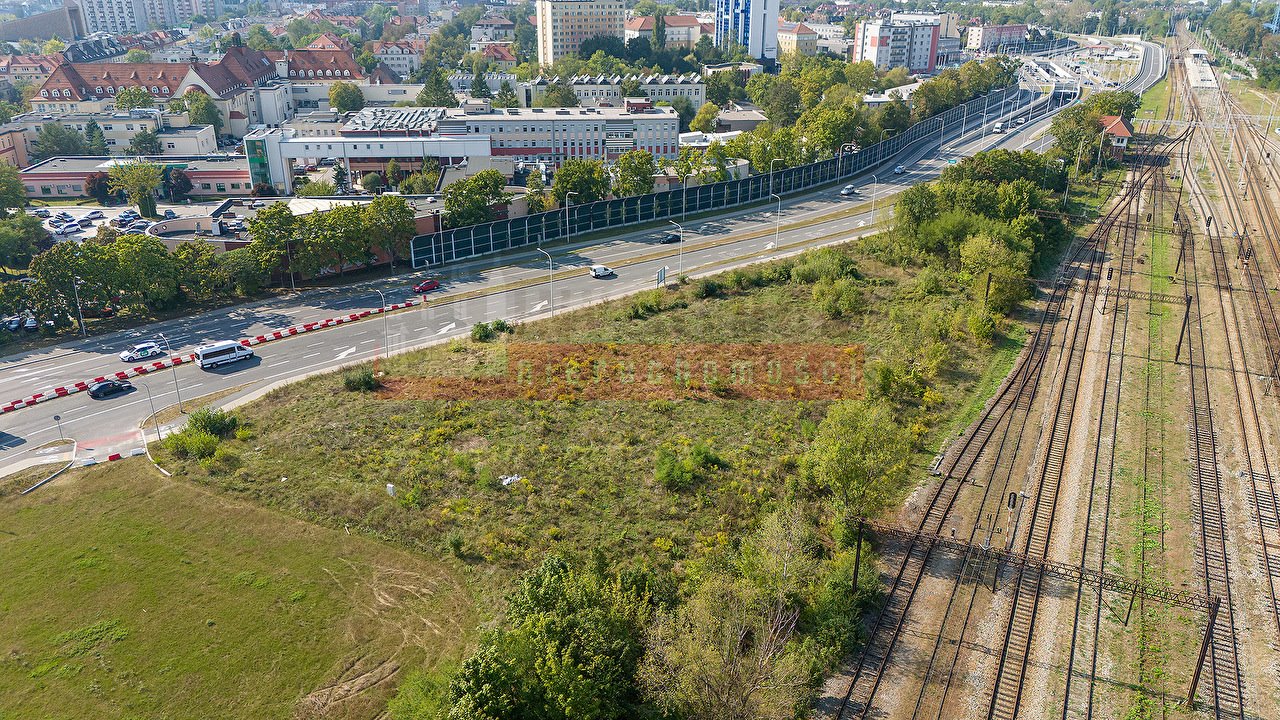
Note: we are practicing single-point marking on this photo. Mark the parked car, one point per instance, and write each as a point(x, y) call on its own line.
point(57, 222)
point(141, 351)
point(848, 190)
point(30, 324)
point(138, 226)
point(13, 324)
point(68, 229)
point(64, 215)
point(601, 271)
point(95, 215)
point(170, 215)
point(85, 223)
point(670, 237)
point(257, 204)
point(900, 170)
point(312, 168)
point(427, 285)
point(41, 213)
point(107, 388)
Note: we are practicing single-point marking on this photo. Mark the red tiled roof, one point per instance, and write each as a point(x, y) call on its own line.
point(1115, 125)
point(91, 80)
point(383, 75)
point(795, 28)
point(28, 63)
point(500, 53)
point(248, 65)
point(318, 64)
point(330, 41)
point(645, 22)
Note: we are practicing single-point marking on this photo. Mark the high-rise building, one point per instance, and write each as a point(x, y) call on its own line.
point(753, 24)
point(887, 45)
point(564, 24)
point(130, 16)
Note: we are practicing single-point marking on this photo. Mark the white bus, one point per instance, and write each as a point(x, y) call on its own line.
point(222, 353)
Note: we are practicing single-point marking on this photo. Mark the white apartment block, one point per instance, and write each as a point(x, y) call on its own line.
point(564, 24)
point(992, 37)
point(130, 16)
point(401, 56)
point(553, 135)
point(753, 24)
point(606, 90)
point(887, 45)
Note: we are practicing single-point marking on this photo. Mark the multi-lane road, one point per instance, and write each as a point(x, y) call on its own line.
point(514, 288)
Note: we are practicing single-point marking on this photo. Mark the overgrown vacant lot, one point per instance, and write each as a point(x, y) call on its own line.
point(589, 470)
point(128, 596)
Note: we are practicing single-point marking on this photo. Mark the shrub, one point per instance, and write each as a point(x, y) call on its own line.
point(706, 288)
point(192, 444)
point(215, 422)
point(982, 326)
point(823, 264)
point(502, 326)
point(222, 461)
point(362, 380)
point(644, 304)
point(681, 473)
point(456, 543)
point(839, 298)
point(483, 332)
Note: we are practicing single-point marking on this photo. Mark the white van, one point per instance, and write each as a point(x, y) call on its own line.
point(229, 351)
point(999, 127)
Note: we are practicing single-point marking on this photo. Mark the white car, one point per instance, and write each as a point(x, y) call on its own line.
point(95, 215)
point(900, 169)
point(848, 190)
point(601, 271)
point(141, 351)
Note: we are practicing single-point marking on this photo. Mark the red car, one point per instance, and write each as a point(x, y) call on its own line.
point(427, 286)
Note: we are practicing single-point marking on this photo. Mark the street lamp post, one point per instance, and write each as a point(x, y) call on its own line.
point(880, 145)
point(386, 333)
point(154, 416)
point(771, 162)
point(75, 289)
point(680, 262)
point(777, 219)
point(874, 182)
point(568, 200)
point(551, 280)
point(174, 367)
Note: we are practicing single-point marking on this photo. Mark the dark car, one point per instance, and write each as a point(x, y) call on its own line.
point(427, 285)
point(13, 324)
point(170, 215)
point(671, 237)
point(107, 388)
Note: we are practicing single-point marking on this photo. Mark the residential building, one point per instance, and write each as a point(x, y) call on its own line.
point(30, 69)
point(125, 16)
point(679, 31)
point(606, 90)
point(400, 56)
point(742, 117)
point(949, 24)
point(13, 146)
point(1120, 131)
point(553, 135)
point(753, 26)
point(563, 25)
point(317, 65)
point(745, 70)
point(994, 37)
point(331, 41)
point(179, 136)
point(493, 29)
point(63, 22)
point(887, 45)
point(499, 55)
point(796, 38)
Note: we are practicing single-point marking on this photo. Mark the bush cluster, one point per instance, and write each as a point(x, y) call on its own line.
point(681, 472)
point(362, 380)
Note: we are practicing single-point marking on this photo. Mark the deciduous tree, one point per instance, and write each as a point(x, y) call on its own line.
point(345, 97)
point(139, 180)
point(468, 201)
point(586, 179)
point(144, 142)
point(705, 120)
point(134, 97)
point(389, 224)
point(634, 172)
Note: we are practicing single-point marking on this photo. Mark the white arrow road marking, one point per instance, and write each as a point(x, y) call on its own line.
point(346, 352)
point(539, 306)
point(446, 328)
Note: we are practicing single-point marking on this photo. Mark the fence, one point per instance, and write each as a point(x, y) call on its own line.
point(560, 224)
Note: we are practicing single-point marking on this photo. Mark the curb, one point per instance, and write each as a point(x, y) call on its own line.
point(85, 462)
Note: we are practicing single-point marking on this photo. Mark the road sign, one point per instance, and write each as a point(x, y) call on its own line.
point(662, 276)
point(951, 161)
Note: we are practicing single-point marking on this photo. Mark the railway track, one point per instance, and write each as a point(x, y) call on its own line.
point(1013, 398)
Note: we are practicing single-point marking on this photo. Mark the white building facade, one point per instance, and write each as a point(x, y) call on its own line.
point(752, 24)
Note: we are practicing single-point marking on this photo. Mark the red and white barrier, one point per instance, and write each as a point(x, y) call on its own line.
point(190, 357)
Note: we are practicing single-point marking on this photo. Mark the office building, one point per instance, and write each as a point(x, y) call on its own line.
point(796, 38)
point(994, 37)
point(887, 45)
point(563, 25)
point(753, 25)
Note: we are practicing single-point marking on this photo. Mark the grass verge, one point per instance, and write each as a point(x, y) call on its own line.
point(158, 599)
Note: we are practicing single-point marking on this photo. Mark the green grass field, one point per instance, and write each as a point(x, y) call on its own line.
point(129, 596)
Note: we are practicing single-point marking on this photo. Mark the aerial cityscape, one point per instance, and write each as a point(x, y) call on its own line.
point(613, 359)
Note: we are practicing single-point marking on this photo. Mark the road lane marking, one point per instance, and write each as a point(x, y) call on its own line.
point(346, 352)
point(446, 328)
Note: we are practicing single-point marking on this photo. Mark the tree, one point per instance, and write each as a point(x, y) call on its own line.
point(983, 256)
point(705, 120)
point(97, 186)
point(21, 235)
point(340, 176)
point(727, 653)
point(179, 184)
point(479, 85)
point(535, 192)
point(371, 182)
point(145, 142)
point(315, 188)
point(723, 87)
point(199, 108)
point(635, 170)
point(559, 94)
point(436, 91)
point(95, 140)
point(12, 192)
point(137, 55)
point(331, 240)
point(684, 110)
point(469, 201)
point(569, 648)
point(367, 61)
point(134, 97)
point(54, 140)
point(506, 97)
point(52, 46)
point(345, 97)
point(271, 230)
point(389, 223)
point(659, 31)
point(260, 39)
point(586, 179)
point(916, 205)
point(241, 270)
point(139, 180)
point(198, 269)
point(781, 103)
point(392, 172)
point(631, 87)
point(148, 273)
point(860, 457)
